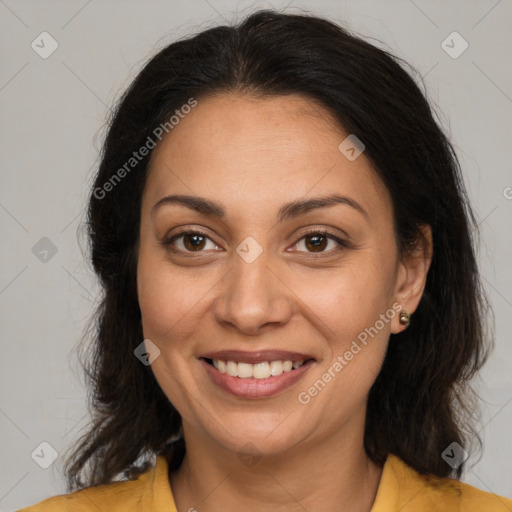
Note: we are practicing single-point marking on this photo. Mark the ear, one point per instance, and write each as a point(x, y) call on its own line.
point(412, 276)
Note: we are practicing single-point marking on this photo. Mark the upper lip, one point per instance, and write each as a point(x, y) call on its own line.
point(261, 356)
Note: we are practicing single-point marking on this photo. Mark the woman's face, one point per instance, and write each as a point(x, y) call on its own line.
point(255, 282)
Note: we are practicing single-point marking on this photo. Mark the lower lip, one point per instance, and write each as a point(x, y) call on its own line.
point(256, 388)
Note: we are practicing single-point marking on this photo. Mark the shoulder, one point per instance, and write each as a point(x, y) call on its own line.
point(149, 492)
point(113, 496)
point(408, 490)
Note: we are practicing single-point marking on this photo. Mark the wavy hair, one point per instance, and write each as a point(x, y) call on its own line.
point(421, 400)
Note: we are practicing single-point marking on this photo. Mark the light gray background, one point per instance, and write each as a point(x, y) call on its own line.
point(53, 112)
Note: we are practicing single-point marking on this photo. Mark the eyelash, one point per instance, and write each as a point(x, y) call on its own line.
point(167, 242)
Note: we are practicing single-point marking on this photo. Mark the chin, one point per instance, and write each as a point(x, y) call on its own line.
point(257, 438)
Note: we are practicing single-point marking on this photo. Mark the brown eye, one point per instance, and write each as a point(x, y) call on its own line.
point(194, 242)
point(318, 242)
point(188, 241)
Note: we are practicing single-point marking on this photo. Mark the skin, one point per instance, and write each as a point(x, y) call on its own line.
point(252, 156)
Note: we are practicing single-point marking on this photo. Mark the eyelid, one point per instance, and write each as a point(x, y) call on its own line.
point(342, 244)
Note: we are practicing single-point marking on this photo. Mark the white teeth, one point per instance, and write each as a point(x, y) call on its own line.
point(244, 370)
point(287, 366)
point(276, 368)
point(262, 370)
point(232, 368)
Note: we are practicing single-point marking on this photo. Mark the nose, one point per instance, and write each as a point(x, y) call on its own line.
point(252, 297)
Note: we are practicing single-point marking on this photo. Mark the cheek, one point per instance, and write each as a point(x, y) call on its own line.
point(354, 313)
point(167, 300)
point(166, 320)
point(351, 299)
point(353, 309)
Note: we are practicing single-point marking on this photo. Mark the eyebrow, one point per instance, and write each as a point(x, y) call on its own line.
point(286, 212)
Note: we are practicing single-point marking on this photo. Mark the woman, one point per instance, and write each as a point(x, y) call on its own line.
point(292, 310)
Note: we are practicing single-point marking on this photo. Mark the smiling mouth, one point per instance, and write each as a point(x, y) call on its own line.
point(261, 370)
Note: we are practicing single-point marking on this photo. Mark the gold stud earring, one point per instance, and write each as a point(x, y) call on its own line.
point(405, 318)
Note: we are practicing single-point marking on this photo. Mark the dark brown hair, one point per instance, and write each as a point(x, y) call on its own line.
point(421, 401)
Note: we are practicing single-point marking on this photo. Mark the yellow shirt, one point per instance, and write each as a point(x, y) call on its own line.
point(401, 488)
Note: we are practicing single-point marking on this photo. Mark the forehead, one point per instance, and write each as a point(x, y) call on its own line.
point(243, 150)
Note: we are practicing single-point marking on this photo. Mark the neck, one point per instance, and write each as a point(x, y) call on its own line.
point(325, 475)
